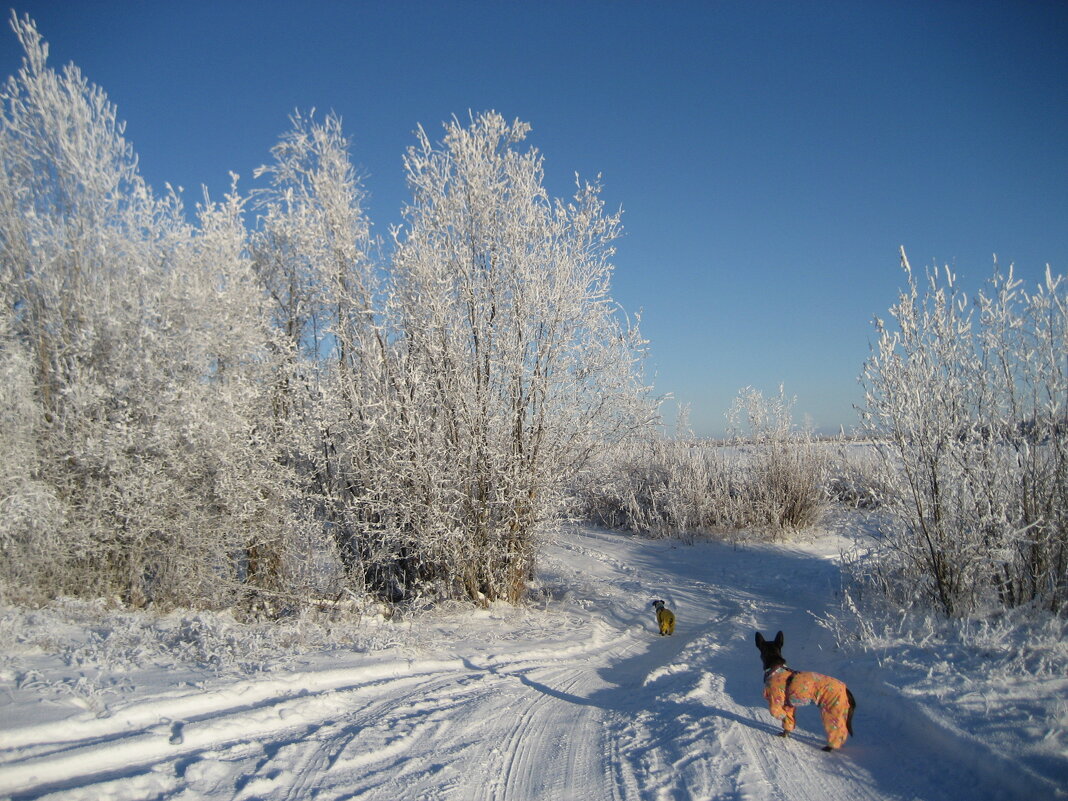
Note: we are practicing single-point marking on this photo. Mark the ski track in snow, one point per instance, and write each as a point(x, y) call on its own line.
point(595, 707)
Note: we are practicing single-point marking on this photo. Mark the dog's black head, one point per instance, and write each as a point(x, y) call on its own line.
point(657, 604)
point(770, 652)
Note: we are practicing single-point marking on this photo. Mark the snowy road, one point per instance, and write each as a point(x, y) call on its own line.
point(580, 699)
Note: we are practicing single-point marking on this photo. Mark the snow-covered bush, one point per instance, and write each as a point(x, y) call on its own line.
point(312, 254)
point(769, 479)
point(31, 515)
point(134, 340)
point(786, 489)
point(857, 475)
point(442, 402)
point(199, 415)
point(664, 487)
point(970, 401)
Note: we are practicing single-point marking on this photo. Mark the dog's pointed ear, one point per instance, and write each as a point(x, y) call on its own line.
point(778, 640)
point(760, 640)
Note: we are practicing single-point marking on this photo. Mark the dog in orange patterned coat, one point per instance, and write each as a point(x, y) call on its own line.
point(786, 689)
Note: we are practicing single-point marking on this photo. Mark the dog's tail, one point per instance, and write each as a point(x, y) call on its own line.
point(852, 709)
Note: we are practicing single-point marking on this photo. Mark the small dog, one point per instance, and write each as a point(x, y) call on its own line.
point(665, 618)
point(786, 689)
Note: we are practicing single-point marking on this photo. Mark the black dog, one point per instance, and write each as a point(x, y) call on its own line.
point(785, 689)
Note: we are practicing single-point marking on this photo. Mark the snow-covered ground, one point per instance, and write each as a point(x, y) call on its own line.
point(574, 697)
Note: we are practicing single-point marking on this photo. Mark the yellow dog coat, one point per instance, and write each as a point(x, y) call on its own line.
point(665, 618)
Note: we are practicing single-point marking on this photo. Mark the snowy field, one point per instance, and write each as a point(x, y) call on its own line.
point(575, 697)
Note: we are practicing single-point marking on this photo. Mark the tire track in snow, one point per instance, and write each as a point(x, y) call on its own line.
point(362, 748)
point(514, 764)
point(551, 742)
point(267, 717)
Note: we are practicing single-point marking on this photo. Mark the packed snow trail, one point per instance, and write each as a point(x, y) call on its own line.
point(577, 699)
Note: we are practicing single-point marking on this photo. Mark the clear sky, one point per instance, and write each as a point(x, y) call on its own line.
point(770, 157)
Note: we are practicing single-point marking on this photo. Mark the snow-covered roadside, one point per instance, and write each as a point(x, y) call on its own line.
point(573, 697)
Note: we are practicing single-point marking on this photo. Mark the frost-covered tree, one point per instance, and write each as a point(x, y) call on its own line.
point(513, 360)
point(164, 442)
point(971, 401)
point(72, 213)
point(312, 253)
point(134, 341)
point(312, 250)
point(241, 507)
point(31, 514)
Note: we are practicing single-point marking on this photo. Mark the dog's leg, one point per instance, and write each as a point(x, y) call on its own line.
point(835, 723)
point(789, 722)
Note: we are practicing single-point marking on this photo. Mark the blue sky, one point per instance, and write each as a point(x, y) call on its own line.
point(770, 158)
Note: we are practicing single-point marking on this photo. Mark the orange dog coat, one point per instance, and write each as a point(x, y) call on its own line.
point(785, 689)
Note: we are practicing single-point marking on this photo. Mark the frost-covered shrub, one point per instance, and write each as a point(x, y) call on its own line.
point(134, 340)
point(769, 479)
point(203, 416)
point(857, 476)
point(445, 399)
point(31, 515)
point(664, 487)
point(968, 402)
point(786, 489)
